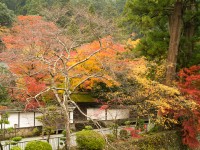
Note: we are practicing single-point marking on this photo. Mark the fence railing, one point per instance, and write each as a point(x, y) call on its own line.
point(55, 142)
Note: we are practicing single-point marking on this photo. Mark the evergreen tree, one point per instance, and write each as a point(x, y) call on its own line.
point(168, 28)
point(4, 98)
point(6, 16)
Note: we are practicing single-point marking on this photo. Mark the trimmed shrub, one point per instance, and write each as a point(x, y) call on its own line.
point(88, 128)
point(80, 126)
point(90, 140)
point(64, 133)
point(17, 138)
point(111, 137)
point(38, 145)
point(127, 123)
point(13, 143)
point(156, 128)
point(36, 131)
point(124, 134)
point(16, 148)
point(63, 138)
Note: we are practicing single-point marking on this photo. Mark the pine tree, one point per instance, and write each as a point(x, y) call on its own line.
point(163, 26)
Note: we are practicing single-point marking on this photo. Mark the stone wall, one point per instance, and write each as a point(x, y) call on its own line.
point(23, 132)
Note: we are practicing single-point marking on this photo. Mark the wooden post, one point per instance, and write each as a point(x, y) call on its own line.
point(34, 118)
point(18, 119)
point(106, 114)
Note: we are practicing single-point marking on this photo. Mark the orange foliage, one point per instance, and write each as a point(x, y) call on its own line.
point(30, 31)
point(105, 60)
point(3, 107)
point(33, 47)
point(27, 40)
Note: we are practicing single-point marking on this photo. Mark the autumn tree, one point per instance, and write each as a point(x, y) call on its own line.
point(190, 82)
point(49, 65)
point(140, 90)
point(189, 85)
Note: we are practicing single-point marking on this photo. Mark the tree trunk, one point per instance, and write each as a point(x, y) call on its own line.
point(49, 134)
point(1, 146)
point(189, 31)
point(175, 25)
point(67, 124)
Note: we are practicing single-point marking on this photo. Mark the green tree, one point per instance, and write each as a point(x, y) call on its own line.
point(33, 7)
point(105, 8)
point(164, 27)
point(11, 4)
point(6, 15)
point(4, 97)
point(16, 5)
point(5, 80)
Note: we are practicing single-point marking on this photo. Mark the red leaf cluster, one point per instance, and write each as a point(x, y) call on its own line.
point(33, 104)
point(190, 86)
point(133, 132)
point(190, 82)
point(190, 133)
point(33, 86)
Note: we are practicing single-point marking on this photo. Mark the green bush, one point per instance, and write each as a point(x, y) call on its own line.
point(90, 140)
point(123, 134)
point(38, 145)
point(15, 148)
point(140, 124)
point(36, 131)
point(156, 128)
point(13, 143)
point(63, 138)
point(88, 128)
point(165, 140)
point(17, 138)
point(111, 137)
point(127, 123)
point(64, 133)
point(114, 128)
point(6, 16)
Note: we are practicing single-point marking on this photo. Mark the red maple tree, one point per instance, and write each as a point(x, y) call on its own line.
point(190, 86)
point(27, 39)
point(190, 82)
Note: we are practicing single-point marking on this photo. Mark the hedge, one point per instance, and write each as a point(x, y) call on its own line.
point(15, 148)
point(166, 140)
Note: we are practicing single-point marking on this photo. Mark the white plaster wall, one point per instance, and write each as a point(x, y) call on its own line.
point(26, 119)
point(113, 114)
point(96, 113)
point(37, 123)
point(71, 117)
point(13, 119)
